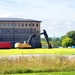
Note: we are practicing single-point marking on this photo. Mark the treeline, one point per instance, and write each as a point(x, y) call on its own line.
point(56, 42)
point(66, 40)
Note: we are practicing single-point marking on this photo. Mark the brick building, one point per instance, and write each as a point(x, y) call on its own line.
point(19, 30)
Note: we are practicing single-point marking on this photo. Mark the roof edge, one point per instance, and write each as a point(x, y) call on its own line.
point(17, 20)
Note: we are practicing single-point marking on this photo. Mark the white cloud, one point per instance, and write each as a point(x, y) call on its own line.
point(68, 23)
point(4, 15)
point(58, 16)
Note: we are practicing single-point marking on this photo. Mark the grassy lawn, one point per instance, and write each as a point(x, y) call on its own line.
point(53, 65)
point(61, 51)
point(48, 73)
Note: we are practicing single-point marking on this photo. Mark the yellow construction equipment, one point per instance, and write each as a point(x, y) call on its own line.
point(27, 44)
point(22, 45)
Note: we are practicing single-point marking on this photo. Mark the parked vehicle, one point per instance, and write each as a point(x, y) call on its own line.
point(4, 45)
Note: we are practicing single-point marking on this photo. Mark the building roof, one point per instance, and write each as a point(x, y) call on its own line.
point(17, 20)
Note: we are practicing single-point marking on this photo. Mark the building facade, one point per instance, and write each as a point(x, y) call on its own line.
point(19, 30)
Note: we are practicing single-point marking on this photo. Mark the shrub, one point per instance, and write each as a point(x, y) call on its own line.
point(67, 42)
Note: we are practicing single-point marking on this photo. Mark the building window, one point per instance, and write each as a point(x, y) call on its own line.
point(36, 25)
point(4, 24)
point(29, 24)
point(19, 31)
point(18, 24)
point(15, 31)
point(11, 24)
point(11, 31)
point(8, 31)
point(15, 24)
point(0, 38)
point(26, 24)
point(22, 31)
point(0, 31)
point(8, 24)
point(33, 25)
point(22, 24)
point(26, 31)
point(0, 24)
point(8, 38)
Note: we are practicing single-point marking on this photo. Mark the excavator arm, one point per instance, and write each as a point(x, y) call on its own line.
point(36, 34)
point(47, 39)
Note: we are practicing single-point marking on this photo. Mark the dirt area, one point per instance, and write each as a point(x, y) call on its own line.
point(70, 57)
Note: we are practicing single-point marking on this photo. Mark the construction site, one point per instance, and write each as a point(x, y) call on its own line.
point(21, 33)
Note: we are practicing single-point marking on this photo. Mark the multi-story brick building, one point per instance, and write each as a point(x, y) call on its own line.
point(19, 30)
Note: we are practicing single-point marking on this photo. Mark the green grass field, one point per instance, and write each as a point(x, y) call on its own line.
point(48, 73)
point(61, 51)
point(18, 64)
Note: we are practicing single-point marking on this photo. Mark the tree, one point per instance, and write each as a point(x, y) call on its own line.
point(71, 34)
point(67, 42)
point(56, 42)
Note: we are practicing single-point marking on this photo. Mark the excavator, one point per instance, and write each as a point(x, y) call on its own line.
point(27, 45)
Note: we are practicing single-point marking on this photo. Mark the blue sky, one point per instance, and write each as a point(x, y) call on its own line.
point(57, 16)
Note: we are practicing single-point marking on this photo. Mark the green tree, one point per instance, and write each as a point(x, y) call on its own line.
point(71, 34)
point(56, 42)
point(67, 42)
